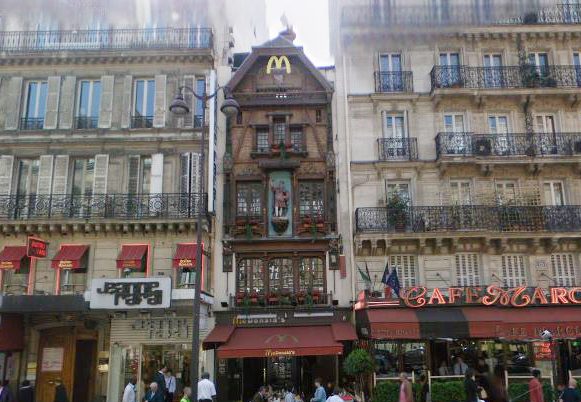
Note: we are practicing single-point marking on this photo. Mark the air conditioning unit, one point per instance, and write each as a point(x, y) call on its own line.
point(482, 147)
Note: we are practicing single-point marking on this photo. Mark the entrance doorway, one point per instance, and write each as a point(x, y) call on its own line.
point(84, 363)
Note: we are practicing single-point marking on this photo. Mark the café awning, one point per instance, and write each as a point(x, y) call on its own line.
point(70, 256)
point(185, 256)
point(278, 341)
point(131, 256)
point(11, 257)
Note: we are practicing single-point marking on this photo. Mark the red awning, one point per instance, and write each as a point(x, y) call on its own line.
point(393, 324)
point(281, 341)
point(344, 331)
point(131, 256)
point(185, 256)
point(11, 332)
point(11, 257)
point(219, 335)
point(70, 256)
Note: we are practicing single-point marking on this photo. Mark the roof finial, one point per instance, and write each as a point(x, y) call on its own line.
point(288, 33)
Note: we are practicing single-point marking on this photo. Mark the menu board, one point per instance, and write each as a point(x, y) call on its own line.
point(52, 359)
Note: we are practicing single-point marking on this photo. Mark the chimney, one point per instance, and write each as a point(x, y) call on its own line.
point(288, 34)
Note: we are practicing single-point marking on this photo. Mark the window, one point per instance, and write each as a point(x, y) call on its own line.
point(296, 138)
point(401, 190)
point(454, 123)
point(35, 108)
point(493, 72)
point(390, 74)
point(26, 186)
point(467, 270)
point(318, 115)
point(186, 278)
point(199, 104)
point(513, 271)
point(139, 175)
point(281, 275)
point(82, 189)
point(460, 192)
point(73, 281)
point(506, 192)
point(406, 269)
point(390, 62)
point(456, 140)
point(554, 194)
point(311, 275)
point(541, 62)
point(15, 281)
point(311, 196)
point(279, 131)
point(546, 133)
point(394, 126)
point(545, 123)
point(498, 125)
point(250, 277)
point(262, 145)
point(450, 69)
point(88, 104)
point(577, 64)
point(143, 108)
point(563, 269)
point(249, 199)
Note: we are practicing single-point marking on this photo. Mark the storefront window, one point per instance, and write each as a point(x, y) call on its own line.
point(312, 274)
point(280, 271)
point(386, 359)
point(250, 276)
point(15, 282)
point(393, 357)
point(413, 356)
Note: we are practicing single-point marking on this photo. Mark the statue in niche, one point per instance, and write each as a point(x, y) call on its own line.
point(281, 197)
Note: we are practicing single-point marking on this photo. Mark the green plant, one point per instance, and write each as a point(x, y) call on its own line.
point(448, 391)
point(397, 211)
point(388, 391)
point(360, 365)
point(519, 392)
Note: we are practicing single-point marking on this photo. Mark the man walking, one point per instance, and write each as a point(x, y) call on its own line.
point(26, 393)
point(159, 378)
point(320, 394)
point(260, 396)
point(154, 394)
point(170, 384)
point(129, 392)
point(206, 389)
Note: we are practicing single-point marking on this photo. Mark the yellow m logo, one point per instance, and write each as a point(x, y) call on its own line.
point(278, 64)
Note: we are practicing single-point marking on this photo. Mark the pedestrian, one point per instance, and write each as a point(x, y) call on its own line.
point(129, 394)
point(170, 385)
point(159, 378)
point(26, 392)
point(443, 369)
point(60, 392)
point(405, 389)
point(470, 387)
point(206, 389)
point(460, 368)
point(187, 396)
point(5, 392)
point(536, 388)
point(571, 394)
point(335, 395)
point(260, 396)
point(320, 394)
point(154, 394)
point(289, 395)
point(424, 389)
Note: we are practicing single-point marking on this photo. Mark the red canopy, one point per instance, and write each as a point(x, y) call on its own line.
point(185, 256)
point(11, 257)
point(70, 256)
point(131, 256)
point(219, 335)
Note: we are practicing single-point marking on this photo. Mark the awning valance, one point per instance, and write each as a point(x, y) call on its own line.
point(70, 256)
point(11, 257)
point(185, 256)
point(132, 256)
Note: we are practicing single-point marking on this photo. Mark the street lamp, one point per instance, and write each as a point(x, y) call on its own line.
point(547, 336)
point(180, 107)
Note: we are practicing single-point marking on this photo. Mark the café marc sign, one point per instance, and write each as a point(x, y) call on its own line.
point(130, 293)
point(493, 295)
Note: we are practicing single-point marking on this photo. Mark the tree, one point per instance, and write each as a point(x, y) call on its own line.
point(360, 365)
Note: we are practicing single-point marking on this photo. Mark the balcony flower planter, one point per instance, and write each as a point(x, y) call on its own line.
point(397, 213)
point(273, 299)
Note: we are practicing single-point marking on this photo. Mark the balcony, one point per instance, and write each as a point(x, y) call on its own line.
point(101, 206)
point(304, 299)
point(32, 123)
point(507, 145)
point(86, 122)
point(141, 121)
point(505, 77)
point(397, 149)
point(469, 218)
point(108, 39)
point(394, 81)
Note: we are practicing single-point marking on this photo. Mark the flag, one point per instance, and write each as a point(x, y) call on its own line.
point(391, 280)
point(365, 276)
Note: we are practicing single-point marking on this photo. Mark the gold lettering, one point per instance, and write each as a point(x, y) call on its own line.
point(277, 61)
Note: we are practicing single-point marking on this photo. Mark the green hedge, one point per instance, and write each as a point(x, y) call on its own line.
point(518, 392)
point(388, 391)
point(448, 391)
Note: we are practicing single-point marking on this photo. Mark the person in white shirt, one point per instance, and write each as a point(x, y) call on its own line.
point(170, 385)
point(336, 397)
point(460, 367)
point(206, 389)
point(129, 392)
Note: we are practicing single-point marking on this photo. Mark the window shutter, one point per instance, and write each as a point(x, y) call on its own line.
point(127, 101)
point(6, 169)
point(13, 101)
point(196, 171)
point(45, 175)
point(106, 106)
point(156, 185)
point(52, 102)
point(160, 101)
point(67, 102)
point(133, 181)
point(100, 178)
point(185, 173)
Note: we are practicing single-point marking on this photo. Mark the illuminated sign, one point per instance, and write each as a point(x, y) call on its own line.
point(277, 61)
point(493, 295)
point(6, 265)
point(279, 353)
point(36, 248)
point(186, 263)
point(65, 264)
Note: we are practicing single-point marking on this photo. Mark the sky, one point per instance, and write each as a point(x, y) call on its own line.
point(310, 21)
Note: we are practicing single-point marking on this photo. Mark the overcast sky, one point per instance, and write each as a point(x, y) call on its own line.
point(310, 20)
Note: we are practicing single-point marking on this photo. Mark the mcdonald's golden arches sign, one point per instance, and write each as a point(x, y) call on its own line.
point(278, 64)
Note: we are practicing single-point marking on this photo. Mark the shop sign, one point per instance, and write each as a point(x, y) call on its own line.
point(279, 353)
point(65, 264)
point(542, 351)
point(36, 248)
point(258, 319)
point(186, 263)
point(533, 331)
point(130, 293)
point(52, 359)
point(6, 265)
point(493, 295)
point(165, 328)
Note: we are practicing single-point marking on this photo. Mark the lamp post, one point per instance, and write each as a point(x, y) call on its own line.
point(180, 107)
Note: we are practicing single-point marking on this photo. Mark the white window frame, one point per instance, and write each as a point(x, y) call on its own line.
point(35, 115)
point(563, 269)
point(399, 184)
point(145, 96)
point(469, 263)
point(502, 185)
point(537, 58)
point(407, 268)
point(456, 184)
point(491, 57)
point(514, 270)
point(90, 97)
point(390, 56)
point(545, 117)
point(394, 116)
point(448, 56)
point(552, 184)
point(454, 116)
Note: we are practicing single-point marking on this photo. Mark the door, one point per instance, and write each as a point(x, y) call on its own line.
point(395, 141)
point(450, 69)
point(546, 133)
point(253, 376)
point(493, 77)
point(457, 140)
point(82, 190)
point(498, 126)
point(26, 187)
point(56, 358)
point(541, 63)
point(390, 72)
point(461, 210)
point(84, 370)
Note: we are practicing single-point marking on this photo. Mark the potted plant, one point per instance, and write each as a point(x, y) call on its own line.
point(530, 76)
point(397, 212)
point(359, 364)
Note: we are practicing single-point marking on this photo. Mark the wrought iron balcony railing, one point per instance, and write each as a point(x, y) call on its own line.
point(141, 121)
point(102, 206)
point(281, 299)
point(86, 122)
point(394, 81)
point(469, 218)
point(524, 76)
point(106, 39)
point(509, 144)
point(31, 123)
point(397, 149)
